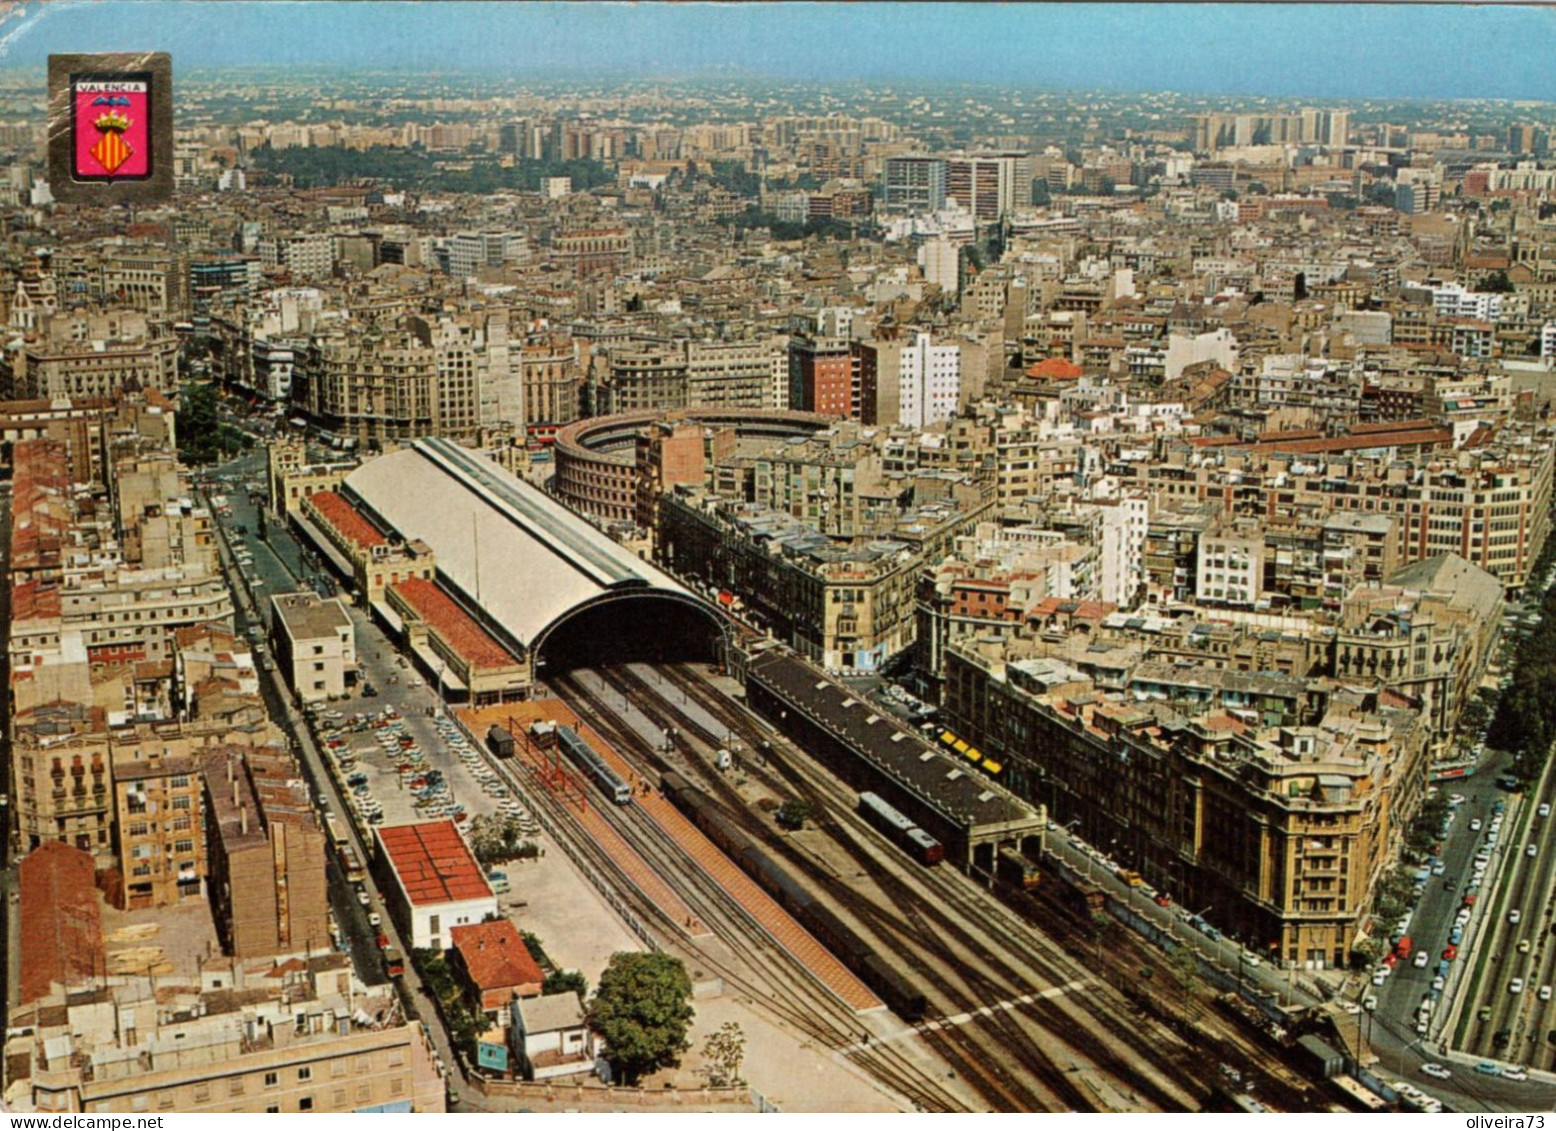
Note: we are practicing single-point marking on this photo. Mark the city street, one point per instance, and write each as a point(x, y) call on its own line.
point(277, 564)
point(1508, 1013)
point(1391, 1029)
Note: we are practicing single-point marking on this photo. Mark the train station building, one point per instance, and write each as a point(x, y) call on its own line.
point(961, 806)
point(520, 585)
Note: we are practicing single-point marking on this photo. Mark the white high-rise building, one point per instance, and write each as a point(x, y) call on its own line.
point(929, 382)
point(1124, 522)
point(940, 260)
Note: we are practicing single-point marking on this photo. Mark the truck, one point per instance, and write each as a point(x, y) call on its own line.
point(394, 961)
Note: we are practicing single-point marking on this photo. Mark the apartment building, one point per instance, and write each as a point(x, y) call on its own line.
point(989, 185)
point(1275, 804)
point(373, 386)
point(824, 377)
point(99, 355)
point(910, 381)
point(914, 183)
point(1229, 568)
point(848, 606)
point(66, 759)
point(267, 878)
point(160, 825)
point(551, 379)
point(735, 374)
point(227, 1038)
point(645, 377)
point(1488, 501)
point(593, 252)
point(314, 645)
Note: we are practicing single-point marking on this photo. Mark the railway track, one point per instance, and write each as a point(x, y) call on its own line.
point(1061, 925)
point(1141, 1019)
point(971, 979)
point(773, 979)
point(946, 888)
point(844, 1033)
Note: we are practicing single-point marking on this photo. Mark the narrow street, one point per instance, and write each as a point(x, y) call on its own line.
point(278, 565)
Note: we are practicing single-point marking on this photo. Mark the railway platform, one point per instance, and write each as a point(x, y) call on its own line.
point(585, 808)
point(762, 908)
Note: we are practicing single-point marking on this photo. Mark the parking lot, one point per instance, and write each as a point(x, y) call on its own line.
point(393, 775)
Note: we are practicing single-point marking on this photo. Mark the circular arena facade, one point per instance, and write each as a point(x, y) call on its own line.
point(599, 464)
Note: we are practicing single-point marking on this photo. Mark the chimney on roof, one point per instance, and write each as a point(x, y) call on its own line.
point(243, 819)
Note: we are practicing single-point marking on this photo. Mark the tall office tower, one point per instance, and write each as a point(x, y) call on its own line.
point(990, 185)
point(915, 183)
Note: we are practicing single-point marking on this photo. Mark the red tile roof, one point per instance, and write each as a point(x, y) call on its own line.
point(40, 514)
point(433, 863)
point(346, 519)
point(496, 957)
point(1055, 369)
point(1080, 610)
point(62, 926)
point(1364, 436)
point(31, 599)
point(458, 629)
point(1434, 437)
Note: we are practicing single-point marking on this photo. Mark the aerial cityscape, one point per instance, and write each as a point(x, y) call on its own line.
point(778, 558)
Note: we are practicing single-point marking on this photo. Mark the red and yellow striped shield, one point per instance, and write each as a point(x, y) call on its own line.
point(112, 150)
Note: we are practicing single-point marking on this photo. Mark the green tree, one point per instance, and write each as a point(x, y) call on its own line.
point(198, 423)
point(726, 1052)
point(1497, 283)
point(1380, 192)
point(643, 1010)
point(496, 840)
point(734, 176)
point(561, 981)
point(1183, 965)
point(537, 950)
point(792, 815)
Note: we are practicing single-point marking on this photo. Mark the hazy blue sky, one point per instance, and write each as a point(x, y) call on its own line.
point(1316, 50)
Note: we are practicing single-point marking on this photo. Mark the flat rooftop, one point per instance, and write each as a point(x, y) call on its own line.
point(962, 797)
point(433, 863)
point(307, 616)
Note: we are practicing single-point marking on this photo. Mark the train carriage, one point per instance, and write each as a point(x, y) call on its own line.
point(587, 759)
point(1012, 867)
point(797, 899)
point(900, 829)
